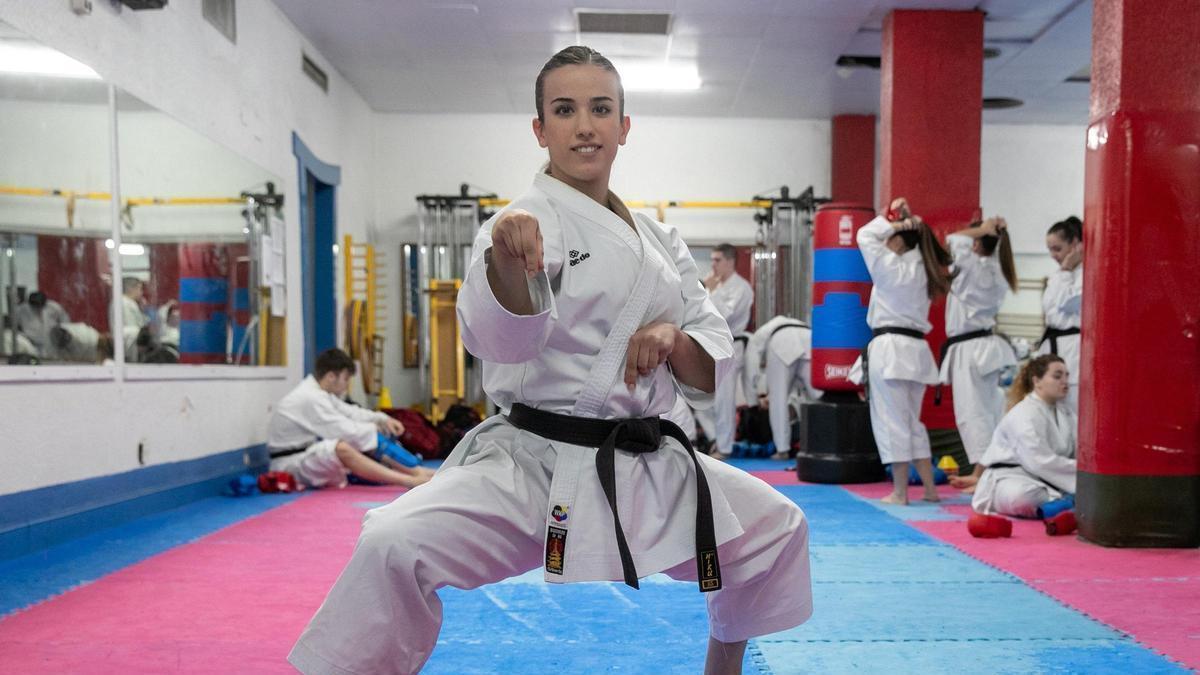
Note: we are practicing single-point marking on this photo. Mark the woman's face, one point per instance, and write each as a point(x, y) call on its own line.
point(1053, 386)
point(583, 126)
point(1058, 247)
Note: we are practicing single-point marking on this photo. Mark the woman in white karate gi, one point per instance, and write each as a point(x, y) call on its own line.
point(586, 318)
point(907, 266)
point(1062, 301)
point(973, 355)
point(776, 365)
point(1031, 459)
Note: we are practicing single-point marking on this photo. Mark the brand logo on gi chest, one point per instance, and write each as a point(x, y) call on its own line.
point(577, 257)
point(559, 513)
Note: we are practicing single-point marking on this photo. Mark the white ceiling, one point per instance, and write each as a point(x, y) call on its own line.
point(757, 58)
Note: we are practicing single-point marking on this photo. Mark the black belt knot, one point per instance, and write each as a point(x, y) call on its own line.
point(637, 435)
point(1052, 334)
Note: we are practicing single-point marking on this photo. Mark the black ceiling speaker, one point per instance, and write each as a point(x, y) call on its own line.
point(144, 4)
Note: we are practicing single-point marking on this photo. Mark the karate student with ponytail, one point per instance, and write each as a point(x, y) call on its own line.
point(907, 266)
point(1031, 459)
point(973, 355)
point(1062, 301)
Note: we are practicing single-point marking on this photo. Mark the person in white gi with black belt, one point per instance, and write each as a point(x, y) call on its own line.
point(907, 267)
point(319, 438)
point(733, 297)
point(1031, 460)
point(1062, 301)
point(776, 366)
point(973, 355)
point(589, 321)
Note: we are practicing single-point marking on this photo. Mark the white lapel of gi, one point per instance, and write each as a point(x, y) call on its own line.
point(611, 358)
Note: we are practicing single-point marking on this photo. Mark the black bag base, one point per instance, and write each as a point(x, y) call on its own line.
point(838, 445)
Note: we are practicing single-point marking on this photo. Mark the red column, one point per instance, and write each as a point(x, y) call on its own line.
point(853, 159)
point(1139, 403)
point(70, 272)
point(931, 107)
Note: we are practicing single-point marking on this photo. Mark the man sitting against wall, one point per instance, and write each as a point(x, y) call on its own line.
point(319, 438)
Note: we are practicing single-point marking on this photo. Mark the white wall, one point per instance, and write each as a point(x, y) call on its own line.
point(247, 97)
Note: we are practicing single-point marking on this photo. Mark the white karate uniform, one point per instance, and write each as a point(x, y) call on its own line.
point(311, 417)
point(23, 345)
point(81, 348)
point(900, 366)
point(1040, 439)
point(777, 365)
point(973, 367)
point(1062, 307)
point(486, 514)
point(36, 325)
point(733, 299)
point(135, 319)
point(683, 417)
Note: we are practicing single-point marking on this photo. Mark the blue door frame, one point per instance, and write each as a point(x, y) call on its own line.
point(318, 233)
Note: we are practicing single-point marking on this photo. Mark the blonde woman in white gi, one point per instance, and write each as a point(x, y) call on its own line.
point(1062, 301)
point(1031, 459)
point(973, 355)
point(907, 267)
point(590, 321)
point(776, 365)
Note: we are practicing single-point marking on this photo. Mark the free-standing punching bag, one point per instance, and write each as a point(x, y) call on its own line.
point(839, 446)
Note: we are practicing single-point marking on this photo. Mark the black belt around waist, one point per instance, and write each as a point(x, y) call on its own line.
point(876, 332)
point(1003, 466)
point(276, 454)
point(1052, 334)
point(636, 435)
point(950, 342)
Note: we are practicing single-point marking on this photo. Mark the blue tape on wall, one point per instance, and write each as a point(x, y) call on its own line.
point(839, 264)
point(204, 289)
point(203, 337)
point(840, 323)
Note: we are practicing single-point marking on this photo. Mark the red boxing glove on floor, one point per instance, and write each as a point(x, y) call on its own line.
point(988, 527)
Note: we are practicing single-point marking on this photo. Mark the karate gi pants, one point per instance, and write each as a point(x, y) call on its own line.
point(896, 419)
point(484, 521)
point(782, 380)
point(1011, 492)
point(978, 406)
point(720, 421)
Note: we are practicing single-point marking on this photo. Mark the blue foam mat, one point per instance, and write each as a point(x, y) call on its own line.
point(932, 564)
point(837, 517)
point(43, 574)
point(1107, 657)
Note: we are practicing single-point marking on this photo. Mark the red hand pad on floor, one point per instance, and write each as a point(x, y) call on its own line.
point(1062, 524)
point(988, 527)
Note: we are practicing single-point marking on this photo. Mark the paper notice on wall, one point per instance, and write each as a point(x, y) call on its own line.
point(275, 272)
point(266, 260)
point(278, 300)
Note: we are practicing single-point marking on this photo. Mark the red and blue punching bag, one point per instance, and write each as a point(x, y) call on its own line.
point(841, 294)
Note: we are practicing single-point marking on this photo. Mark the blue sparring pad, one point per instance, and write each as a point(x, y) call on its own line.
point(43, 574)
point(837, 517)
point(931, 565)
point(1108, 657)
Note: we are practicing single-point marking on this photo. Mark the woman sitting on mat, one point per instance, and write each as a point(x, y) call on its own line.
point(1031, 459)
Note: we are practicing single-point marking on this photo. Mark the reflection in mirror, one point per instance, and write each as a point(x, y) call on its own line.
point(203, 278)
point(55, 279)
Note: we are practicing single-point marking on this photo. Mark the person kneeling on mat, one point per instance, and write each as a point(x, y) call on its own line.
point(319, 438)
point(1031, 459)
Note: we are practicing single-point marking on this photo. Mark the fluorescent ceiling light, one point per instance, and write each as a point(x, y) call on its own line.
point(658, 76)
point(31, 58)
point(126, 249)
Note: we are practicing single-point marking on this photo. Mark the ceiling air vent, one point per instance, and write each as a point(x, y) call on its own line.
point(314, 73)
point(636, 23)
point(222, 14)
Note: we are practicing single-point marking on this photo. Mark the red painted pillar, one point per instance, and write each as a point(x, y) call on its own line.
point(1139, 403)
point(853, 159)
point(931, 107)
